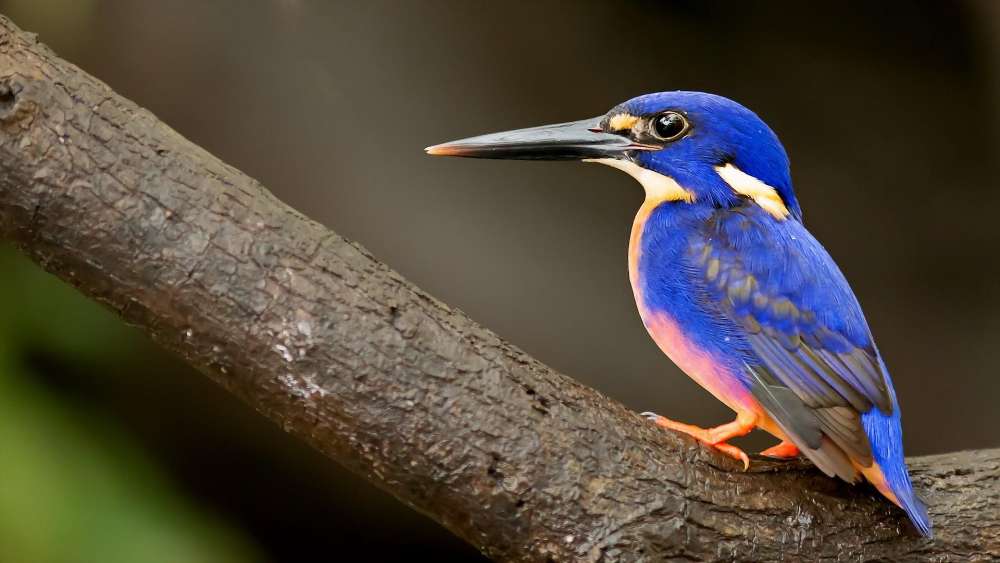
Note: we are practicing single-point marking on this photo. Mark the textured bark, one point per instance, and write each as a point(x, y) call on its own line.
point(519, 460)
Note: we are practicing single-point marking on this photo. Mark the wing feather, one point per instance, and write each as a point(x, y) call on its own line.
point(815, 368)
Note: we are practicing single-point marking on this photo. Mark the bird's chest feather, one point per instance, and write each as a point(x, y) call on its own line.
point(675, 311)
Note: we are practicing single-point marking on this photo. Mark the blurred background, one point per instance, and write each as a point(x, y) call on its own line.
point(114, 451)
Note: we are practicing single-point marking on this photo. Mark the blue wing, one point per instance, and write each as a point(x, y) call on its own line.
point(813, 365)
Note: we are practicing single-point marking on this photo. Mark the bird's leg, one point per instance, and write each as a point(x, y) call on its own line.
point(784, 450)
point(715, 437)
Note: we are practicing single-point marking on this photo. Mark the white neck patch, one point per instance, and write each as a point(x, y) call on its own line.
point(761, 193)
point(658, 187)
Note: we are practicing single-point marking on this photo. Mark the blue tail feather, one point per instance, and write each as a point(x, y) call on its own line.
point(886, 437)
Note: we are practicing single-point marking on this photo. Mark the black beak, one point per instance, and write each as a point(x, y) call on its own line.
point(577, 140)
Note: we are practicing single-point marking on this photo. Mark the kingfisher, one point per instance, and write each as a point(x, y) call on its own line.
point(732, 287)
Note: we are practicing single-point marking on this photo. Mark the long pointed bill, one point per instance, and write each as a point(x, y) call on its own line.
point(576, 140)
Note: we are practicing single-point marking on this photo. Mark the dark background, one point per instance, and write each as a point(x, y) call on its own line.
point(113, 451)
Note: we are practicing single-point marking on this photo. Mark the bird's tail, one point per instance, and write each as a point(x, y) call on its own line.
point(889, 473)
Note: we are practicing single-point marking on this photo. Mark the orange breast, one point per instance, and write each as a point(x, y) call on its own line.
point(697, 364)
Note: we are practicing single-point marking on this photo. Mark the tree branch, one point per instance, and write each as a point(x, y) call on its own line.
point(521, 461)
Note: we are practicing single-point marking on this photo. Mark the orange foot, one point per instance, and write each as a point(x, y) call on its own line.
point(784, 450)
point(715, 437)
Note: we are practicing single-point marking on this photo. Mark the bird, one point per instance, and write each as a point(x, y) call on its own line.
point(733, 288)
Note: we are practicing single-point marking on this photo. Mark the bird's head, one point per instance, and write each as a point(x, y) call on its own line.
point(681, 146)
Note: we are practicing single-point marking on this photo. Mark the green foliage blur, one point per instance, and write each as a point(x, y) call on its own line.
point(74, 487)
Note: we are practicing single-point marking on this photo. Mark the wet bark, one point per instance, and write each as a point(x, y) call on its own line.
point(521, 461)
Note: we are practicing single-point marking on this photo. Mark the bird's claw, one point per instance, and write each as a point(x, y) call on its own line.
point(733, 452)
point(701, 435)
point(784, 450)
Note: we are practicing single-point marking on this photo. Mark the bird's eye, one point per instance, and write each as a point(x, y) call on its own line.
point(669, 126)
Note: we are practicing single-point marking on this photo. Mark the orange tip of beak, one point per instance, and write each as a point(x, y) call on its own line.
point(441, 150)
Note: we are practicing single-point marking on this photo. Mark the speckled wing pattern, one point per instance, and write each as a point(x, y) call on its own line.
point(811, 361)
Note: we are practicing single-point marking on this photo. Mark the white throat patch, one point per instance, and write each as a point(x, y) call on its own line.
point(762, 194)
point(658, 187)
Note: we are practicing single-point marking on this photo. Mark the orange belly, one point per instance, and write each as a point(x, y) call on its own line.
point(697, 364)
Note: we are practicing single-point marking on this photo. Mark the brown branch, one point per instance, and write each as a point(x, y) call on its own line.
point(521, 461)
